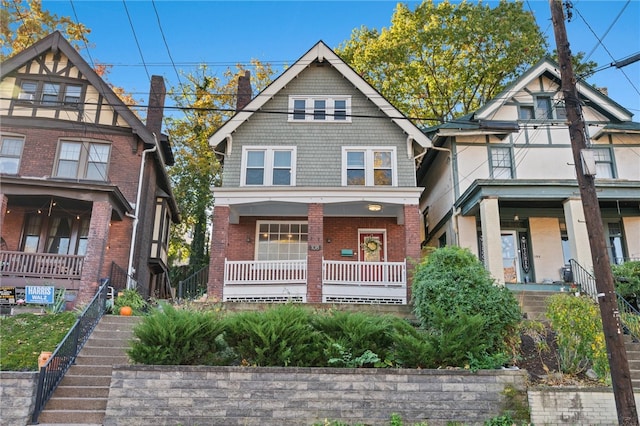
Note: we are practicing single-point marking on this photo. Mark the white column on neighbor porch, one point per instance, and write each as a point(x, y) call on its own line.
point(631, 226)
point(577, 232)
point(491, 238)
point(468, 233)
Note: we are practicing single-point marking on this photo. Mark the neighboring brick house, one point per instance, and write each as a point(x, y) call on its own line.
point(80, 175)
point(319, 201)
point(502, 181)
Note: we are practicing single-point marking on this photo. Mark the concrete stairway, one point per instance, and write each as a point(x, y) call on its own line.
point(81, 397)
point(633, 356)
point(533, 303)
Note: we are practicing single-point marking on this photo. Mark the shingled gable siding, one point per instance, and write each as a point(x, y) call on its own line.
point(143, 395)
point(319, 145)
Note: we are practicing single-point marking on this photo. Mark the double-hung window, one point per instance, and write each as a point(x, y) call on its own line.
point(369, 166)
point(10, 154)
point(501, 163)
point(320, 109)
point(604, 163)
point(82, 160)
point(273, 166)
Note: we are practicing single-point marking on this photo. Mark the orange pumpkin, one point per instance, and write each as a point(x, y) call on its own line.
point(126, 311)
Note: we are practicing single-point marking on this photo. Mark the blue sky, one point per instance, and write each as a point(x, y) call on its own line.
point(128, 33)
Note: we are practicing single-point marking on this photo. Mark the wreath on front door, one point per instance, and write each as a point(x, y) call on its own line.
point(371, 245)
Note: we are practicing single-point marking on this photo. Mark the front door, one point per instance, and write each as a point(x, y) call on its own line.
point(510, 257)
point(372, 246)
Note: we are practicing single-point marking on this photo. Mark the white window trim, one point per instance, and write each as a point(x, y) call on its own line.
point(268, 166)
point(368, 163)
point(279, 222)
point(329, 110)
point(83, 161)
point(17, 137)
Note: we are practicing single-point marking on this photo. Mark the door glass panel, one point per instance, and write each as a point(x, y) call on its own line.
point(509, 258)
point(59, 235)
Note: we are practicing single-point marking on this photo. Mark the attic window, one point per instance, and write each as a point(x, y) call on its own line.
point(318, 109)
point(51, 94)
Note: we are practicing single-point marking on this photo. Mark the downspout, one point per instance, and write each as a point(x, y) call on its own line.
point(132, 246)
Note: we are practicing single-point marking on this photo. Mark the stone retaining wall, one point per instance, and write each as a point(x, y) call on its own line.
point(153, 395)
point(17, 397)
point(573, 406)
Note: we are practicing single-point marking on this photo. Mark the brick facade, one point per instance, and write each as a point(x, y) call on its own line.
point(219, 245)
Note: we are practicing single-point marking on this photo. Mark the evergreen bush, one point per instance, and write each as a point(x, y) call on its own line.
point(173, 336)
point(279, 336)
point(453, 292)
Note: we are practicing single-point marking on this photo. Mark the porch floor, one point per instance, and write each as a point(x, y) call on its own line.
point(555, 286)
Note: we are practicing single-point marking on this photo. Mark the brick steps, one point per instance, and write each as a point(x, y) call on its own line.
point(81, 398)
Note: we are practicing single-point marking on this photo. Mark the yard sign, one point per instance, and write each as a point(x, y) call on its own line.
point(41, 295)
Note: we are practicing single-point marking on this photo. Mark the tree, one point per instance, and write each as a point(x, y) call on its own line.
point(23, 22)
point(207, 102)
point(444, 60)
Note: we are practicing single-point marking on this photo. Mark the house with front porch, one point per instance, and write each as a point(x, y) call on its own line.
point(84, 189)
point(319, 201)
point(501, 181)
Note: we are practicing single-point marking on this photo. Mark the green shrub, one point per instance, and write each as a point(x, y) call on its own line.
point(130, 298)
point(627, 281)
point(172, 336)
point(452, 287)
point(353, 334)
point(280, 336)
point(578, 327)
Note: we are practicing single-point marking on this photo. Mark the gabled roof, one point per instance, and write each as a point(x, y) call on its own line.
point(320, 53)
point(546, 66)
point(55, 42)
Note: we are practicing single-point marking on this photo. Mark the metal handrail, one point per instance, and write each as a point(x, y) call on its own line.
point(587, 283)
point(195, 285)
point(67, 351)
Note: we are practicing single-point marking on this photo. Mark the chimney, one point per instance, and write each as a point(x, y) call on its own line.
point(157, 92)
point(244, 90)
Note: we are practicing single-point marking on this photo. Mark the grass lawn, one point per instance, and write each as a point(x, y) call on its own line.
point(24, 336)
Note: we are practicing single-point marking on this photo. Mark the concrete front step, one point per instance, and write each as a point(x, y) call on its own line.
point(102, 359)
point(92, 404)
point(72, 417)
point(72, 380)
point(82, 392)
point(90, 370)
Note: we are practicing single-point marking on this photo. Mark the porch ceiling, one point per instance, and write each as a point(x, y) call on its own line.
point(343, 209)
point(74, 195)
point(545, 193)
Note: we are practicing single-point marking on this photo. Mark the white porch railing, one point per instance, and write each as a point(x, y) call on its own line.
point(265, 272)
point(42, 265)
point(364, 273)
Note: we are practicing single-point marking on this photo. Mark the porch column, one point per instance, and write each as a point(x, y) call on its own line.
point(96, 250)
point(577, 233)
point(468, 233)
point(315, 252)
point(631, 226)
point(491, 238)
point(412, 241)
point(219, 242)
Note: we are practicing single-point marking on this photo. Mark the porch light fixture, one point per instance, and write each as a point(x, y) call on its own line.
point(374, 207)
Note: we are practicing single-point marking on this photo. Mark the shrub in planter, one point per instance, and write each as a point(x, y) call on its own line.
point(171, 336)
point(452, 291)
point(279, 336)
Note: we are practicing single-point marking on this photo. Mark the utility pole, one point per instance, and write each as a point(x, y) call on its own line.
point(618, 362)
